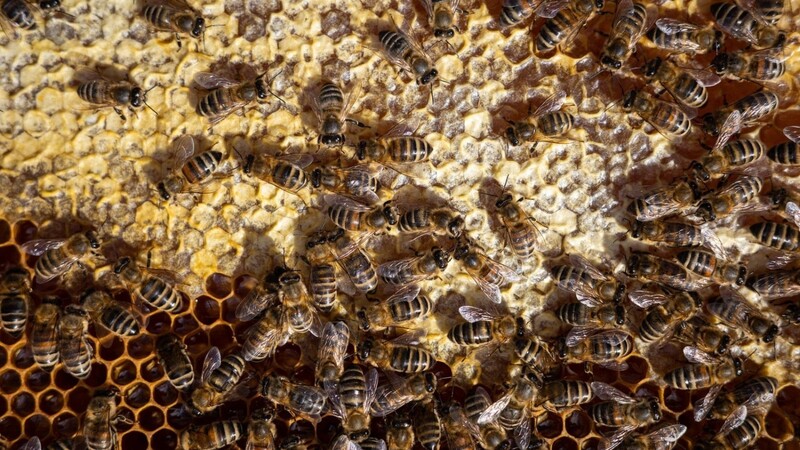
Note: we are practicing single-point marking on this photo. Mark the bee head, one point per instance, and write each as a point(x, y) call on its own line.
point(441, 257)
point(391, 213)
point(700, 170)
point(91, 236)
point(652, 67)
point(444, 33)
point(720, 63)
point(121, 264)
point(706, 211)
point(199, 27)
point(778, 197)
point(265, 414)
point(332, 139)
point(722, 347)
point(738, 366)
point(771, 334)
point(456, 226)
point(719, 39)
point(363, 321)
point(633, 265)
point(364, 349)
point(636, 229)
point(611, 62)
point(695, 189)
point(137, 97)
point(359, 435)
point(741, 276)
point(427, 77)
point(162, 191)
point(430, 382)
point(655, 409)
point(400, 421)
point(316, 177)
point(619, 293)
point(630, 97)
point(598, 4)
point(248, 164)
point(511, 135)
point(710, 124)
point(619, 315)
point(289, 278)
point(49, 4)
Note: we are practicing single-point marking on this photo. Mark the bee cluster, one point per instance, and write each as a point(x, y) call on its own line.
point(413, 267)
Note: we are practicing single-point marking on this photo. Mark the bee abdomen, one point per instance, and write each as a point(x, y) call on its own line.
point(785, 153)
point(48, 265)
point(522, 239)
point(692, 93)
point(361, 272)
point(227, 374)
point(555, 30)
point(157, 16)
point(93, 91)
point(395, 44)
point(160, 295)
point(745, 434)
point(14, 314)
point(514, 12)
point(331, 99)
point(289, 176)
point(471, 333)
point(352, 387)
point(411, 309)
point(408, 149)
point(201, 166)
point(19, 13)
point(568, 393)
point(409, 359)
point(78, 359)
point(226, 432)
point(671, 118)
point(413, 220)
point(743, 151)
point(605, 414)
point(215, 103)
point(556, 123)
point(323, 286)
point(688, 377)
point(731, 17)
point(120, 321)
point(572, 313)
point(654, 326)
point(776, 235)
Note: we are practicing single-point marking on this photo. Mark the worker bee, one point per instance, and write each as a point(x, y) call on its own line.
point(175, 360)
point(102, 92)
point(211, 436)
point(112, 315)
point(358, 181)
point(675, 36)
point(586, 318)
point(705, 371)
point(647, 267)
point(330, 353)
point(687, 86)
point(605, 348)
point(45, 334)
point(399, 355)
point(284, 172)
point(482, 327)
point(298, 314)
point(513, 410)
point(546, 122)
point(438, 221)
point(521, 232)
point(15, 288)
point(265, 336)
point(756, 391)
point(631, 21)
point(303, 400)
point(461, 432)
point(428, 425)
point(400, 431)
point(227, 92)
point(352, 395)
point(707, 265)
point(732, 309)
point(412, 270)
point(331, 108)
point(487, 273)
point(776, 284)
point(786, 152)
point(587, 282)
point(663, 438)
point(57, 256)
point(665, 201)
point(174, 16)
point(403, 306)
point(323, 284)
point(665, 312)
point(752, 108)
point(678, 234)
point(757, 66)
point(515, 11)
point(76, 351)
point(561, 28)
point(350, 215)
point(736, 433)
point(706, 337)
point(406, 53)
point(263, 297)
point(393, 148)
point(725, 155)
point(739, 196)
point(261, 431)
point(537, 356)
point(491, 435)
point(149, 288)
point(101, 416)
point(666, 117)
point(781, 236)
point(442, 17)
point(195, 170)
point(355, 262)
point(623, 412)
point(218, 380)
point(746, 25)
point(402, 391)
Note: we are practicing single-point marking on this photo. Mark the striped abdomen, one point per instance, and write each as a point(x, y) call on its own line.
point(288, 176)
point(403, 311)
point(515, 11)
point(756, 105)
point(360, 270)
point(754, 386)
point(14, 314)
point(76, 355)
point(765, 68)
point(677, 42)
point(655, 325)
point(734, 20)
point(689, 91)
point(744, 435)
point(471, 333)
point(555, 123)
point(352, 387)
point(119, 320)
point(51, 263)
point(698, 261)
point(217, 102)
point(605, 348)
point(159, 17)
point(199, 168)
point(225, 377)
point(571, 279)
point(95, 91)
point(331, 100)
point(159, 294)
point(556, 29)
point(567, 393)
point(414, 220)
point(785, 153)
point(770, 10)
point(44, 336)
point(408, 359)
point(743, 151)
point(670, 118)
point(630, 25)
point(100, 434)
point(694, 376)
point(222, 434)
point(323, 286)
point(408, 149)
point(18, 13)
point(575, 313)
point(397, 46)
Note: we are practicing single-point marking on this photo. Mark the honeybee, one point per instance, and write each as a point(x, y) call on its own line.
point(737, 433)
point(666, 117)
point(174, 16)
point(442, 17)
point(195, 170)
point(665, 201)
point(438, 221)
point(776, 284)
point(45, 334)
point(428, 425)
point(513, 410)
point(323, 284)
point(175, 360)
point(305, 401)
point(487, 273)
point(752, 108)
point(227, 92)
point(265, 336)
point(521, 232)
point(403, 306)
point(757, 66)
point(663, 438)
point(101, 415)
point(18, 14)
point(588, 283)
point(284, 172)
point(786, 152)
point(665, 312)
point(687, 86)
point(781, 236)
point(482, 327)
point(212, 436)
point(102, 92)
point(705, 371)
point(399, 355)
point(537, 356)
point(331, 108)
point(515, 11)
point(563, 26)
point(412, 270)
point(330, 352)
point(725, 155)
point(402, 392)
point(460, 431)
point(678, 234)
point(700, 334)
point(263, 297)
point(400, 432)
point(746, 25)
point(406, 53)
point(350, 215)
point(57, 256)
point(358, 181)
point(76, 351)
point(623, 412)
point(736, 197)
point(218, 380)
point(585, 318)
point(261, 431)
point(647, 267)
point(753, 392)
point(675, 36)
point(546, 122)
point(734, 310)
point(605, 348)
point(15, 288)
point(394, 149)
point(147, 287)
point(631, 21)
point(352, 395)
point(707, 265)
point(491, 435)
point(355, 262)
point(111, 314)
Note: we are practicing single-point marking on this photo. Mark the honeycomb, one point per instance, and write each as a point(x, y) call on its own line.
point(67, 168)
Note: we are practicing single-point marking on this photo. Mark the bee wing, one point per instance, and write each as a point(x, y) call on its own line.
point(712, 241)
point(550, 104)
point(491, 291)
point(215, 80)
point(697, 356)
point(757, 401)
point(705, 78)
point(410, 337)
point(732, 125)
point(616, 366)
point(211, 363)
point(645, 299)
point(742, 305)
point(779, 262)
point(33, 444)
point(793, 211)
point(703, 406)
point(256, 301)
point(522, 434)
point(607, 392)
point(616, 439)
point(301, 160)
point(493, 411)
point(577, 334)
point(344, 443)
point(348, 203)
point(457, 415)
point(793, 133)
point(37, 247)
point(672, 26)
point(184, 148)
point(333, 343)
point(371, 388)
point(733, 421)
point(473, 314)
point(582, 263)
point(624, 7)
point(332, 389)
point(667, 435)
point(650, 20)
point(549, 8)
point(392, 267)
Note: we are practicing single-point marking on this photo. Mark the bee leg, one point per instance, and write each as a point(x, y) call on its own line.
point(178, 40)
point(587, 367)
point(357, 123)
point(119, 112)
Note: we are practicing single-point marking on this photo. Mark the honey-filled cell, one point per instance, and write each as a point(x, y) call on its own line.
point(37, 425)
point(219, 285)
point(78, 398)
point(23, 404)
point(565, 443)
point(164, 439)
point(137, 395)
point(185, 324)
point(23, 358)
point(151, 418)
point(10, 381)
point(123, 372)
point(165, 393)
point(10, 427)
point(51, 402)
point(141, 347)
point(135, 439)
point(65, 425)
point(37, 380)
point(5, 231)
point(112, 349)
point(24, 231)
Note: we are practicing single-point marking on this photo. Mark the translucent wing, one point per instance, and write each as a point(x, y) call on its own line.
point(344, 443)
point(735, 420)
point(403, 295)
point(401, 265)
point(586, 296)
point(372, 388)
point(473, 314)
point(551, 104)
point(33, 444)
point(334, 200)
point(650, 19)
point(672, 26)
point(665, 438)
point(428, 5)
point(578, 334)
point(397, 60)
point(793, 211)
point(712, 241)
point(549, 8)
point(411, 337)
point(793, 133)
point(256, 302)
point(607, 392)
point(301, 160)
point(215, 80)
point(491, 291)
point(333, 343)
point(617, 438)
point(646, 299)
point(493, 411)
point(184, 148)
point(703, 406)
point(522, 434)
point(624, 8)
point(780, 261)
point(704, 77)
point(616, 366)
point(582, 263)
point(754, 112)
point(732, 125)
point(211, 363)
point(332, 389)
point(37, 247)
point(697, 356)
